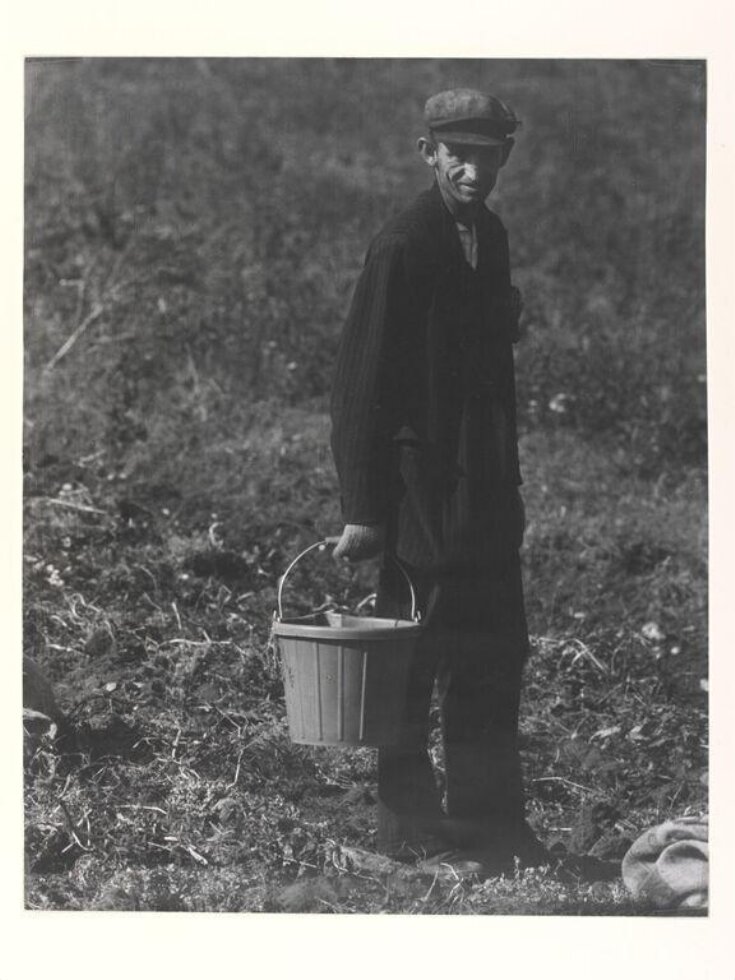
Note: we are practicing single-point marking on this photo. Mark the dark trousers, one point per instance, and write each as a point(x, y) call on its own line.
point(473, 648)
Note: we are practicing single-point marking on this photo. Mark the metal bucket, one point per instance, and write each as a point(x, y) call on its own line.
point(345, 677)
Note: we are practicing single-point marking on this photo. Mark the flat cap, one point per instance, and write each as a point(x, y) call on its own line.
point(469, 116)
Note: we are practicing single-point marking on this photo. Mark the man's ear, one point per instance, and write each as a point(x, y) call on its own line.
point(427, 149)
point(507, 147)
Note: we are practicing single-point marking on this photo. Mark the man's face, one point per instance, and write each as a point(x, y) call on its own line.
point(466, 174)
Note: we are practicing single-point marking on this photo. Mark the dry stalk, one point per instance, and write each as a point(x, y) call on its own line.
point(584, 651)
point(237, 769)
point(227, 717)
point(73, 827)
point(239, 760)
point(561, 779)
point(140, 806)
point(76, 599)
point(199, 858)
point(102, 696)
point(149, 573)
point(150, 601)
point(94, 314)
point(84, 508)
point(58, 646)
point(427, 896)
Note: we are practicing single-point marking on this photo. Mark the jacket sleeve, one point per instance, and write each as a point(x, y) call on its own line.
point(507, 323)
point(513, 320)
point(366, 390)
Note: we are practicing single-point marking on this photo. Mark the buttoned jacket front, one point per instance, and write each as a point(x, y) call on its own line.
point(423, 402)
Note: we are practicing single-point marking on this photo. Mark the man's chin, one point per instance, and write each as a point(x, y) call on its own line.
point(459, 202)
point(471, 204)
point(473, 199)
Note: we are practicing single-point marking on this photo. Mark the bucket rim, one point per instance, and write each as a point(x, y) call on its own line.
point(388, 629)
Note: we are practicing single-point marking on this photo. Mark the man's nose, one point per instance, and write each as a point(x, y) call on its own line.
point(472, 168)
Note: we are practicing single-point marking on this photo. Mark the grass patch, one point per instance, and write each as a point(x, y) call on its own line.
point(180, 789)
point(194, 228)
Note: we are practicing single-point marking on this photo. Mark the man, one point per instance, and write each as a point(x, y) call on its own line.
point(424, 440)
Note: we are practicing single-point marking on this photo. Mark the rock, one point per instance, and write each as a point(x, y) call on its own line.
point(593, 822)
point(611, 847)
point(229, 810)
point(38, 695)
point(358, 795)
point(114, 899)
point(356, 859)
point(307, 895)
point(600, 891)
point(36, 727)
point(37, 723)
point(100, 642)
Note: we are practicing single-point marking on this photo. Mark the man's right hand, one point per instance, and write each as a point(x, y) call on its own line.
point(360, 541)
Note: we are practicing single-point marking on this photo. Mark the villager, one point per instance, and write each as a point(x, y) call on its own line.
point(424, 439)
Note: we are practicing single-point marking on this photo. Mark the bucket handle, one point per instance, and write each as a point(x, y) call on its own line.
point(415, 615)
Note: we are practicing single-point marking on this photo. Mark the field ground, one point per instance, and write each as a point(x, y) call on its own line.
point(180, 788)
point(193, 232)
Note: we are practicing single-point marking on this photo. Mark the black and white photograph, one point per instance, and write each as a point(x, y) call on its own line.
point(365, 486)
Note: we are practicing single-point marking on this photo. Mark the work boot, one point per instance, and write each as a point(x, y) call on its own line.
point(458, 864)
point(585, 868)
point(528, 849)
point(513, 839)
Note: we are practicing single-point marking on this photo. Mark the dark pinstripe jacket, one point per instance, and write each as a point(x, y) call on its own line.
point(423, 402)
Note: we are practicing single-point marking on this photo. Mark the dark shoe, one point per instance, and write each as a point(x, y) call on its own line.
point(503, 842)
point(515, 840)
point(458, 864)
point(528, 849)
point(585, 868)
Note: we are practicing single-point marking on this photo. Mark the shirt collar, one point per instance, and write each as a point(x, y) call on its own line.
point(468, 241)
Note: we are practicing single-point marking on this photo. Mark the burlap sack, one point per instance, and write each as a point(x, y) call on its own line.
point(668, 865)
